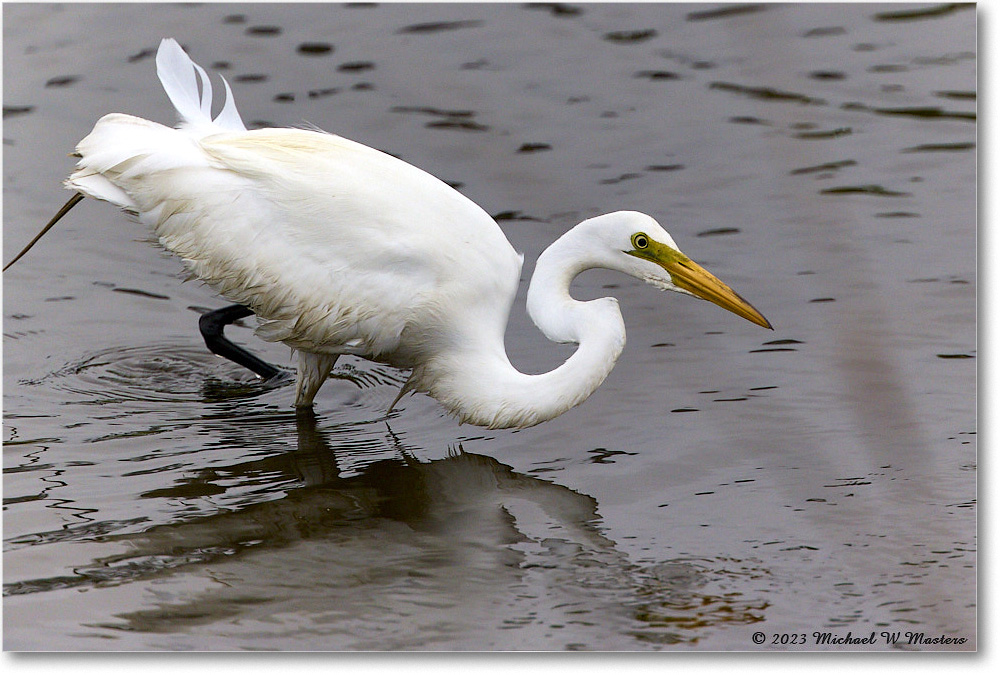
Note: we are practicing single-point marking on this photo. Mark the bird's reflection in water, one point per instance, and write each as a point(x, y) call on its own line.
point(457, 553)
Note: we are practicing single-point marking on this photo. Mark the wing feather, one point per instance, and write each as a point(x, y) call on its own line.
point(334, 245)
point(337, 247)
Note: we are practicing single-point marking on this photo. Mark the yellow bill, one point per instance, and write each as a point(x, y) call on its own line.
point(687, 275)
point(695, 279)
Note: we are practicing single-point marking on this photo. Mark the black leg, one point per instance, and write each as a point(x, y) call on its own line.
point(211, 325)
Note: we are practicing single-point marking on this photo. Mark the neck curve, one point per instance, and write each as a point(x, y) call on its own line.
point(480, 385)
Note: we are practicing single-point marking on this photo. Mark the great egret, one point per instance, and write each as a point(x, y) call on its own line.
point(341, 249)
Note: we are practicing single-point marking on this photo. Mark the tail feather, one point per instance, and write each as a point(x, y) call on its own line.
point(121, 147)
point(97, 186)
point(180, 76)
point(229, 116)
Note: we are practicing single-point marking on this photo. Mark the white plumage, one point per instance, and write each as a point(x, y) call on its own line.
point(339, 248)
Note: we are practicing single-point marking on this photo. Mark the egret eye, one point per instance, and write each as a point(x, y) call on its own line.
point(640, 241)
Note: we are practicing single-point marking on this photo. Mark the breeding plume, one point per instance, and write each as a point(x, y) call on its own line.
point(341, 249)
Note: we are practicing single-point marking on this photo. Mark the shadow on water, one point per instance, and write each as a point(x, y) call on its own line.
point(400, 553)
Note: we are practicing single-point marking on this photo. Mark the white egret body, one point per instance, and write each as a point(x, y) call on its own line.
point(342, 249)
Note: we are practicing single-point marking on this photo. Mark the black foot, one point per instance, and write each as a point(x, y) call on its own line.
point(211, 325)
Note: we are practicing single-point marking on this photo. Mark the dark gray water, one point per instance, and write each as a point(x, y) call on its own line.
point(725, 480)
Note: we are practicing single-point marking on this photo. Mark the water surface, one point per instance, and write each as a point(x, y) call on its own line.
point(725, 480)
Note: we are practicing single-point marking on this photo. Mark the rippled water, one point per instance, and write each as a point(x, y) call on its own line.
point(723, 481)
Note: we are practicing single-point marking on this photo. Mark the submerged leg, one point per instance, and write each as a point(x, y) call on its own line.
point(212, 324)
point(313, 371)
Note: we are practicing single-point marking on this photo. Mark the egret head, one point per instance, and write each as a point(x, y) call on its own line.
point(636, 245)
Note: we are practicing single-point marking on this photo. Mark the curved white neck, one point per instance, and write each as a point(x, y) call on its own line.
point(480, 385)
